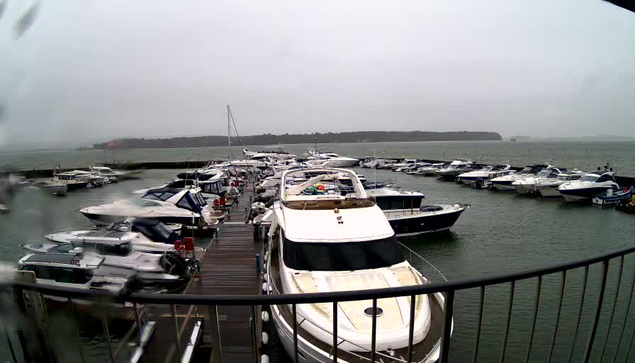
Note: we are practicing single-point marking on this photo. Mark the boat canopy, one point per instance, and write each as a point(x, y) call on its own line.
point(155, 230)
point(187, 199)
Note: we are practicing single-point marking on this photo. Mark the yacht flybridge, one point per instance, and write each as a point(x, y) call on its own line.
point(329, 240)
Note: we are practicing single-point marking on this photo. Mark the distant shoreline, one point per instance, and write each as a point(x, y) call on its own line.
point(288, 139)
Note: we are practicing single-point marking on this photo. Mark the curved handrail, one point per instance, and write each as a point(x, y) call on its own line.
point(248, 300)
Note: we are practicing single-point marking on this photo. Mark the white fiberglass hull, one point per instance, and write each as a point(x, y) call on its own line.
point(311, 353)
point(549, 191)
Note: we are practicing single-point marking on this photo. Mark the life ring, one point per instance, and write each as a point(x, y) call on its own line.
point(178, 245)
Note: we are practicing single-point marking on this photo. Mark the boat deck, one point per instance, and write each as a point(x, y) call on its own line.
point(228, 267)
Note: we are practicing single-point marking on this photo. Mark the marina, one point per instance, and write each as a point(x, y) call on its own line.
point(232, 257)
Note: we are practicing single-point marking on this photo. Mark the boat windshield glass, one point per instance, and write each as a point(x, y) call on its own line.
point(590, 177)
point(544, 173)
point(341, 256)
point(157, 232)
point(122, 249)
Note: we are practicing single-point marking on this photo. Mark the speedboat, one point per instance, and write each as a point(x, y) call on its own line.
point(106, 172)
point(4, 208)
point(51, 186)
point(145, 235)
point(77, 270)
point(404, 164)
point(408, 217)
point(333, 242)
point(456, 168)
point(180, 206)
point(263, 154)
point(430, 170)
point(548, 188)
point(330, 160)
point(528, 184)
point(504, 183)
point(481, 176)
point(588, 186)
point(168, 270)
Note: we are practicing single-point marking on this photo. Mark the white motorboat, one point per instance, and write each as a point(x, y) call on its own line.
point(456, 168)
point(528, 185)
point(180, 206)
point(588, 186)
point(430, 170)
point(504, 183)
point(108, 173)
point(167, 270)
point(55, 187)
point(77, 270)
point(4, 208)
point(408, 217)
point(548, 188)
point(334, 242)
point(404, 163)
point(145, 235)
point(275, 153)
point(481, 176)
point(330, 160)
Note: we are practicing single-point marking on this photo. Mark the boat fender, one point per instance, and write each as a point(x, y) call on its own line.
point(265, 278)
point(264, 287)
point(265, 338)
point(265, 316)
point(264, 358)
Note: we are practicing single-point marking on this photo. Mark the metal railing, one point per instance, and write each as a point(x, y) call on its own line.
point(593, 344)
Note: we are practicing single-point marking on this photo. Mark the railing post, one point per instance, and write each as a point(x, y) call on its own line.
point(533, 324)
point(104, 322)
point(625, 320)
point(136, 314)
point(448, 311)
point(555, 331)
point(217, 346)
point(334, 332)
point(479, 324)
point(617, 292)
point(295, 333)
point(411, 327)
point(77, 338)
point(176, 329)
point(598, 312)
point(577, 327)
point(373, 338)
point(509, 319)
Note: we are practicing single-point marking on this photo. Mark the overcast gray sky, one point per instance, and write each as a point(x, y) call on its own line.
point(93, 70)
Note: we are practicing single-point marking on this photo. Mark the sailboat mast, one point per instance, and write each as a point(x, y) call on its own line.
point(229, 135)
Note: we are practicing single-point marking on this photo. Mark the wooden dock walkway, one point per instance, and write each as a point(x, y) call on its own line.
point(228, 267)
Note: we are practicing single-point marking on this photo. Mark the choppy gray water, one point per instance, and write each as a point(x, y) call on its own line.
point(500, 233)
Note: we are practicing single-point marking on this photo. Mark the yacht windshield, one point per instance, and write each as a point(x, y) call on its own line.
point(341, 256)
point(155, 231)
point(589, 178)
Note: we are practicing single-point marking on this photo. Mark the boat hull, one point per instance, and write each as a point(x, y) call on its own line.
point(549, 191)
point(583, 194)
point(106, 219)
point(418, 223)
point(504, 186)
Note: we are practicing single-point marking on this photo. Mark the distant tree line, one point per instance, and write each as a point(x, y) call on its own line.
point(270, 139)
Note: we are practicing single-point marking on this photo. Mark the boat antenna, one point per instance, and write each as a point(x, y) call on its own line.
point(229, 135)
point(231, 115)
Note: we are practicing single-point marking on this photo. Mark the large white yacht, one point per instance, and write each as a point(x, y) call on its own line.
point(325, 241)
point(482, 176)
point(456, 167)
point(589, 186)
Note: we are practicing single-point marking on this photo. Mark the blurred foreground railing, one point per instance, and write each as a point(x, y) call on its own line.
point(595, 303)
